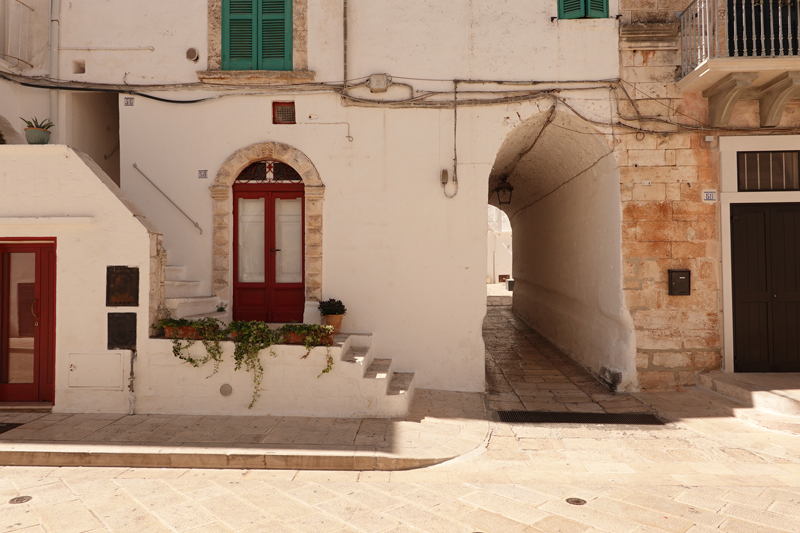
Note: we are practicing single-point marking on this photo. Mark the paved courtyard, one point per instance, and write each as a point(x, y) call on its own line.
point(703, 471)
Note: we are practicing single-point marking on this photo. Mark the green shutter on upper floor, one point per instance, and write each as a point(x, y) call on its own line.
point(571, 9)
point(257, 35)
point(276, 35)
point(575, 9)
point(597, 8)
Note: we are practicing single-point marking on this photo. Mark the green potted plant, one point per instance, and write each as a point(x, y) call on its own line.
point(37, 132)
point(332, 312)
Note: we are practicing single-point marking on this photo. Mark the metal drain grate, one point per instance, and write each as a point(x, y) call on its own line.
point(8, 427)
point(541, 417)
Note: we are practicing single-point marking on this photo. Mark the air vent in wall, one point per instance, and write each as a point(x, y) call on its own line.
point(283, 113)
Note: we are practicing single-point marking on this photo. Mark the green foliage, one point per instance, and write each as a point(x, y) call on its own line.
point(34, 123)
point(332, 307)
point(250, 339)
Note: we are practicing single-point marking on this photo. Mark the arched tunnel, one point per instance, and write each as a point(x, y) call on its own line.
point(566, 220)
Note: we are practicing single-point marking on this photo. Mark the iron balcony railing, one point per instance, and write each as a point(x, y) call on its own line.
point(14, 21)
point(738, 28)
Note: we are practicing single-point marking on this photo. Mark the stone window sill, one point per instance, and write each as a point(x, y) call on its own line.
point(255, 77)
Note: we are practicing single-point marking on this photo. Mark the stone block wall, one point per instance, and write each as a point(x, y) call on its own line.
point(665, 224)
point(637, 11)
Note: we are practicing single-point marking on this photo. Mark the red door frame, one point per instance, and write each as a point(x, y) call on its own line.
point(43, 388)
point(273, 292)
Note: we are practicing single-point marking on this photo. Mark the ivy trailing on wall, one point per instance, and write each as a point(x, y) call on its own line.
point(250, 339)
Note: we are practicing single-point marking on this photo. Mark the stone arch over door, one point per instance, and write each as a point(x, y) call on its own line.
point(222, 204)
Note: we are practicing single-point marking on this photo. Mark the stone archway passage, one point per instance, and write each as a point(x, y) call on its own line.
point(222, 204)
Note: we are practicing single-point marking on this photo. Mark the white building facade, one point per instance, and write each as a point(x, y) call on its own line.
point(381, 131)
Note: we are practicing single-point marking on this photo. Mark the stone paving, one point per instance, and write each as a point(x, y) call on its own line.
point(526, 372)
point(701, 472)
point(440, 426)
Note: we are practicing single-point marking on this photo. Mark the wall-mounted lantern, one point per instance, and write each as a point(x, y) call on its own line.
point(504, 190)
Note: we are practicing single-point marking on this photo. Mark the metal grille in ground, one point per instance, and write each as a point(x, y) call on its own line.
point(541, 417)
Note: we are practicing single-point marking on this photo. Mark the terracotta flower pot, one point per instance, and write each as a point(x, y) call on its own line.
point(170, 332)
point(37, 136)
point(292, 338)
point(335, 321)
point(187, 332)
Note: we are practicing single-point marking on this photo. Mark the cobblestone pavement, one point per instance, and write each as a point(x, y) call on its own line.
point(701, 472)
point(525, 371)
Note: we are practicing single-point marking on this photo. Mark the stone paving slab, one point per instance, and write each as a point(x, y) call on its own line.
point(440, 426)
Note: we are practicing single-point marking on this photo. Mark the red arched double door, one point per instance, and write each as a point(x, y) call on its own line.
point(268, 244)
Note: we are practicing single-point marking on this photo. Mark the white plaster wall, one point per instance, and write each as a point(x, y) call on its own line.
point(119, 36)
point(463, 39)
point(28, 37)
point(17, 101)
point(47, 186)
point(568, 272)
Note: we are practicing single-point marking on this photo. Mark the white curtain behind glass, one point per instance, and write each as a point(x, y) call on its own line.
point(289, 240)
point(251, 240)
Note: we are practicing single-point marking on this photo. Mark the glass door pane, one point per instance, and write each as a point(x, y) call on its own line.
point(289, 240)
point(251, 240)
point(20, 320)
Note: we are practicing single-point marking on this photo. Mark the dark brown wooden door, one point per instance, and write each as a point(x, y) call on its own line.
point(27, 321)
point(269, 251)
point(766, 287)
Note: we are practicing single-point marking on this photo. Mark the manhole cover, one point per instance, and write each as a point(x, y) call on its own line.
point(576, 501)
point(20, 499)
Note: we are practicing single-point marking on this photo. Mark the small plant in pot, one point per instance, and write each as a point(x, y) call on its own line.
point(332, 312)
point(37, 132)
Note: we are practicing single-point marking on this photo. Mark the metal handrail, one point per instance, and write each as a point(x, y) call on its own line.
point(168, 198)
point(738, 28)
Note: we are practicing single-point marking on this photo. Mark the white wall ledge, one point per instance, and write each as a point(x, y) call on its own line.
point(39, 221)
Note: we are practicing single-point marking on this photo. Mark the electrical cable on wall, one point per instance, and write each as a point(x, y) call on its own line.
point(455, 143)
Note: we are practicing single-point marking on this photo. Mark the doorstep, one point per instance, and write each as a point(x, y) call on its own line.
point(771, 400)
point(25, 407)
point(441, 425)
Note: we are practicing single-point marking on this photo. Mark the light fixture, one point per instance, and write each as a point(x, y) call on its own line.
point(504, 190)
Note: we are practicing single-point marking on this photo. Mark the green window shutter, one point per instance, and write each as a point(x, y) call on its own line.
point(597, 8)
point(275, 38)
point(571, 9)
point(239, 34)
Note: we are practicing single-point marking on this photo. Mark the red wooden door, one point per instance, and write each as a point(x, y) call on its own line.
point(27, 321)
point(268, 251)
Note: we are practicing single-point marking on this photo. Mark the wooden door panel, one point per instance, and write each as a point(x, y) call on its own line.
point(270, 301)
point(751, 291)
point(785, 274)
point(27, 322)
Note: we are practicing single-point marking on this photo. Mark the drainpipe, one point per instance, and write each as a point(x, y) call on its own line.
point(55, 11)
point(344, 59)
point(131, 396)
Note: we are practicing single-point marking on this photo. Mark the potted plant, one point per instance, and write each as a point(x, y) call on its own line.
point(37, 132)
point(332, 312)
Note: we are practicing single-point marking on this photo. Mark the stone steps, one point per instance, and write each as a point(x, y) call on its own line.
point(184, 298)
point(733, 399)
point(393, 391)
point(197, 306)
point(182, 288)
point(775, 393)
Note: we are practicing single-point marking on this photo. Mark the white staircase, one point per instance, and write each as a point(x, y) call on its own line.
point(184, 297)
point(384, 391)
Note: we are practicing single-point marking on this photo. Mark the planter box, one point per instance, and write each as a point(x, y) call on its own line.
point(297, 338)
point(183, 332)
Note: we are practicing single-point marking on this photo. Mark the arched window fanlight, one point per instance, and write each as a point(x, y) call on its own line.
point(269, 172)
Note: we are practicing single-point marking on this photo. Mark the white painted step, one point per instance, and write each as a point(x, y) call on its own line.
point(182, 288)
point(775, 393)
point(185, 307)
point(379, 369)
point(401, 383)
point(175, 272)
point(729, 407)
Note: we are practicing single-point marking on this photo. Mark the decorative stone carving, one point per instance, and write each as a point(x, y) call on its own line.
point(724, 94)
point(222, 205)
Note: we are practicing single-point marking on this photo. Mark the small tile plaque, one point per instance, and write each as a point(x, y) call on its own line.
point(122, 286)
